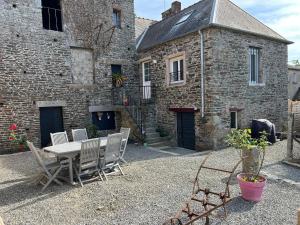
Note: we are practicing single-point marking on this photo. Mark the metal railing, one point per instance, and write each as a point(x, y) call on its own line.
point(52, 19)
point(127, 96)
point(134, 100)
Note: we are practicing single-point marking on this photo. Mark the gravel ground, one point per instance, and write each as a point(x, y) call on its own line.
point(155, 186)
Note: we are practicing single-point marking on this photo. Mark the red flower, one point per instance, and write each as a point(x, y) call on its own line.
point(11, 138)
point(13, 127)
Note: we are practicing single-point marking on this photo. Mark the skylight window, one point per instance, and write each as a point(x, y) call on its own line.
point(184, 18)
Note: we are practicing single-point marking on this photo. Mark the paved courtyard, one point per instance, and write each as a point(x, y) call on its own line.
point(156, 183)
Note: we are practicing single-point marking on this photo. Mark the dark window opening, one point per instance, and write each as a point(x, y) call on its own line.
point(104, 120)
point(52, 17)
point(117, 18)
point(116, 69)
point(233, 120)
point(255, 73)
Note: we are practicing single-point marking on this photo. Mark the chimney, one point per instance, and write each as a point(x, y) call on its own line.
point(175, 8)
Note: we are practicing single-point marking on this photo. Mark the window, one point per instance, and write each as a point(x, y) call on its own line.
point(116, 69)
point(51, 13)
point(233, 120)
point(117, 18)
point(184, 18)
point(146, 71)
point(104, 120)
point(176, 70)
point(255, 73)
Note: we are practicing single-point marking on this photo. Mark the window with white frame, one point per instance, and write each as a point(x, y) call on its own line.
point(233, 120)
point(177, 70)
point(255, 72)
point(146, 71)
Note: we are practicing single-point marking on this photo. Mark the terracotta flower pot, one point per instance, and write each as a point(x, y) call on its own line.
point(251, 191)
point(21, 148)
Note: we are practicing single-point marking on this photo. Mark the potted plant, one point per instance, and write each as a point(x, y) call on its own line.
point(118, 79)
point(252, 152)
point(19, 140)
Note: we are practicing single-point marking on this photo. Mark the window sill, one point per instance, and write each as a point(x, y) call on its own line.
point(257, 84)
point(176, 83)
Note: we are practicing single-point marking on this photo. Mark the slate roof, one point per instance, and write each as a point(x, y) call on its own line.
point(206, 13)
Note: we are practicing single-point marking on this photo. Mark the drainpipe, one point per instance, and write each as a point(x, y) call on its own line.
point(202, 72)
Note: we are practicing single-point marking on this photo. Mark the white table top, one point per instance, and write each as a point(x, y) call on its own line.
point(70, 147)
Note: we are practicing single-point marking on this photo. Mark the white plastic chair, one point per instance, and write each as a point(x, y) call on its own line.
point(89, 159)
point(79, 135)
point(51, 170)
point(59, 138)
point(111, 155)
point(125, 135)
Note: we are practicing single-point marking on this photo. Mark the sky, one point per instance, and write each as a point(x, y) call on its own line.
point(283, 16)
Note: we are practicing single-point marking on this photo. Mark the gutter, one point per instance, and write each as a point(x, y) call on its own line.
point(202, 73)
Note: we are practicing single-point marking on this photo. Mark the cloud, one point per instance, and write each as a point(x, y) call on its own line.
point(281, 15)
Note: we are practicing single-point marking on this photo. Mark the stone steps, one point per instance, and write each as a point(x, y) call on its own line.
point(156, 139)
point(152, 135)
point(159, 144)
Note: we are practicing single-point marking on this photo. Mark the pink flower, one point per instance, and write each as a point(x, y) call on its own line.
point(13, 127)
point(11, 138)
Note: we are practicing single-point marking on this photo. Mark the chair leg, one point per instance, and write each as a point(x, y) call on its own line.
point(51, 178)
point(100, 175)
point(122, 160)
point(104, 175)
point(78, 177)
point(120, 169)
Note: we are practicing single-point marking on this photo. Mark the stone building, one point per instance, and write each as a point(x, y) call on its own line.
point(56, 64)
point(213, 67)
point(294, 82)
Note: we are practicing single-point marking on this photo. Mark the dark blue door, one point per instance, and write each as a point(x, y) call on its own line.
point(51, 121)
point(186, 130)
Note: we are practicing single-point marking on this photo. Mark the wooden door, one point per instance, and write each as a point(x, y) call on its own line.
point(186, 130)
point(51, 121)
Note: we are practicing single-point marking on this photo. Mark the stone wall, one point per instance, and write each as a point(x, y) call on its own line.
point(294, 80)
point(36, 64)
point(167, 96)
point(227, 83)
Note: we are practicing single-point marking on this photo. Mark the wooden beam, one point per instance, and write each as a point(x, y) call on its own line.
point(184, 109)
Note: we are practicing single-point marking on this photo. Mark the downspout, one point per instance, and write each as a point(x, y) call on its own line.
point(202, 73)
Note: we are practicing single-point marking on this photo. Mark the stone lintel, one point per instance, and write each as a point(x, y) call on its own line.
point(42, 104)
point(102, 108)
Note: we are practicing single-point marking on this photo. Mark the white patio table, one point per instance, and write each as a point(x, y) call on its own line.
point(70, 150)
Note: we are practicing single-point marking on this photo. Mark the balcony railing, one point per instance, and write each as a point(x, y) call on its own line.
point(133, 95)
point(134, 98)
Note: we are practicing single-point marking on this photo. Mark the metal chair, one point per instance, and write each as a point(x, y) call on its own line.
point(50, 171)
point(79, 135)
point(111, 155)
point(125, 135)
point(59, 138)
point(89, 159)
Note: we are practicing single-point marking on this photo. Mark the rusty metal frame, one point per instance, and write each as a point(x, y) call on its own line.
point(191, 215)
